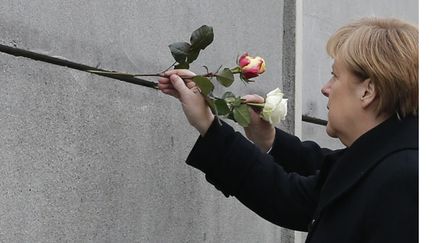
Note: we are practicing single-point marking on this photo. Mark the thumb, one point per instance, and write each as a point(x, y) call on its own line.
point(178, 84)
point(253, 99)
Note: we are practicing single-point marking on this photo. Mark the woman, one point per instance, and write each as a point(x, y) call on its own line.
point(367, 192)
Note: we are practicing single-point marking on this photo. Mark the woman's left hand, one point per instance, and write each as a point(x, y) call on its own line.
point(259, 131)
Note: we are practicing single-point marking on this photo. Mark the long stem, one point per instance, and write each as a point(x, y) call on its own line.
point(234, 70)
point(146, 74)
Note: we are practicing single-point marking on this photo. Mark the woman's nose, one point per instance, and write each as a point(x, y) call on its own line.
point(325, 89)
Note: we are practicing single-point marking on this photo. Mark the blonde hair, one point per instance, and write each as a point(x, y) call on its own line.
point(386, 52)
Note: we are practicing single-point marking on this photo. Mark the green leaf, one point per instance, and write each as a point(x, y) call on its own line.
point(183, 65)
point(211, 104)
point(229, 98)
point(180, 51)
point(227, 95)
point(202, 37)
point(204, 84)
point(241, 115)
point(221, 107)
point(193, 55)
point(225, 77)
point(237, 101)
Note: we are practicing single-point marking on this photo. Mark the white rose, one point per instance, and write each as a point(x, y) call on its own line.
point(275, 107)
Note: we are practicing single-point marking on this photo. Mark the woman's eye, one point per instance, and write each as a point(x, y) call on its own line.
point(333, 74)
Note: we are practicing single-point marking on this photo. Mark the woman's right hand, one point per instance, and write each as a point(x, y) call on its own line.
point(259, 131)
point(193, 103)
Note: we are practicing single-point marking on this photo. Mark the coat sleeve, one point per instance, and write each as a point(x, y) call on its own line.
point(305, 158)
point(238, 168)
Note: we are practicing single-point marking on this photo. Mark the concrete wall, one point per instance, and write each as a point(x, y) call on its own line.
point(91, 159)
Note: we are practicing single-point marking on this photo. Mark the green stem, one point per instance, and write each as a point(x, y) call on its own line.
point(261, 105)
point(126, 74)
point(148, 75)
point(145, 74)
point(236, 70)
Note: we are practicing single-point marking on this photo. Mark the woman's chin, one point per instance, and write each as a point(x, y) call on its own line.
point(330, 131)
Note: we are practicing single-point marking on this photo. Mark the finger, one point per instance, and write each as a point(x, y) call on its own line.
point(165, 86)
point(164, 83)
point(255, 115)
point(171, 92)
point(180, 72)
point(179, 84)
point(253, 98)
point(163, 80)
point(190, 84)
point(196, 90)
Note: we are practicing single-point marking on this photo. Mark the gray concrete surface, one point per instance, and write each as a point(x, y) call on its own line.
point(133, 36)
point(89, 159)
point(92, 159)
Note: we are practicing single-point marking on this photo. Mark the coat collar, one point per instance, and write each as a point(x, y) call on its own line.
point(367, 151)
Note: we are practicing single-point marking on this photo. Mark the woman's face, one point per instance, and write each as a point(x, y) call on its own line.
point(344, 102)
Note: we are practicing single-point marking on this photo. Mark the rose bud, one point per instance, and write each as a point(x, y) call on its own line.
point(251, 67)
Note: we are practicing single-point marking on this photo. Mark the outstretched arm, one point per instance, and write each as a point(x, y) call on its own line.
point(239, 168)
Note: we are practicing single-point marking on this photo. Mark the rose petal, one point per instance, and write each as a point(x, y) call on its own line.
point(244, 60)
point(262, 66)
point(249, 75)
point(275, 107)
point(274, 92)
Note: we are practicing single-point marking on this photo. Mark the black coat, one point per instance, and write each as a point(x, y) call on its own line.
point(365, 193)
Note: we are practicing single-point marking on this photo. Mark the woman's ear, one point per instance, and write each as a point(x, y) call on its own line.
point(368, 93)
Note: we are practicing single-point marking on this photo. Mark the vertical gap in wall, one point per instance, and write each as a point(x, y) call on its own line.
point(298, 69)
point(289, 61)
point(289, 77)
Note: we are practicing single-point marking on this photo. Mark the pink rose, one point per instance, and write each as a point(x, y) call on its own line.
point(251, 67)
